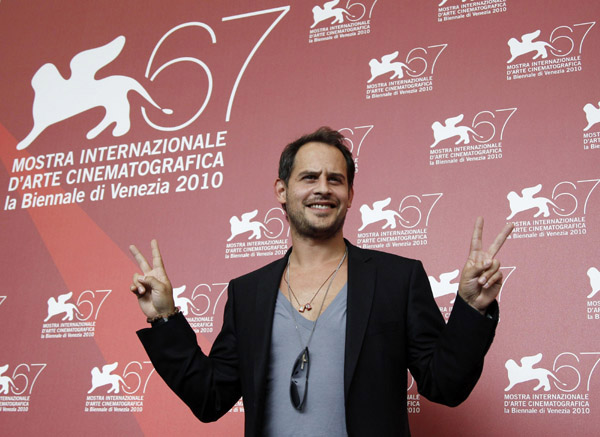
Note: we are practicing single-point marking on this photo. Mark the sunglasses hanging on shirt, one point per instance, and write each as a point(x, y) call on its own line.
point(299, 378)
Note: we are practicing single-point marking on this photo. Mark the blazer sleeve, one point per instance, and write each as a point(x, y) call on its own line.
point(209, 385)
point(446, 360)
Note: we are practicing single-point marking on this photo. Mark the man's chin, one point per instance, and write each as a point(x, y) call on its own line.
point(322, 232)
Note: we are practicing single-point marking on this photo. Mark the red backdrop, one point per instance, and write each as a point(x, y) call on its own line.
point(126, 121)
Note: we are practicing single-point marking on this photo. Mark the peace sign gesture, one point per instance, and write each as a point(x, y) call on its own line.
point(153, 289)
point(481, 278)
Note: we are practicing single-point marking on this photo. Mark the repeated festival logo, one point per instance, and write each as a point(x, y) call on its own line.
point(391, 76)
point(333, 20)
point(201, 304)
point(449, 10)
point(16, 386)
point(560, 211)
point(383, 226)
point(537, 387)
point(69, 317)
point(538, 54)
point(113, 391)
point(250, 237)
point(591, 137)
point(455, 141)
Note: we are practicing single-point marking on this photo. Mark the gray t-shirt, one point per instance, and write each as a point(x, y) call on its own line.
point(323, 413)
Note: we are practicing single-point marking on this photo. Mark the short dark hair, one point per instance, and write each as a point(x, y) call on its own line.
point(322, 135)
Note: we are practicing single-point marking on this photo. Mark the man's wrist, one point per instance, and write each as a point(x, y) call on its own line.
point(162, 318)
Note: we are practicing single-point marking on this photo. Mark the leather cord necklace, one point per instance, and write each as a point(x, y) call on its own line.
point(299, 379)
point(307, 306)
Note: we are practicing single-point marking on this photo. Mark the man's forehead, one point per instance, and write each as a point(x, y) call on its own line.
point(317, 156)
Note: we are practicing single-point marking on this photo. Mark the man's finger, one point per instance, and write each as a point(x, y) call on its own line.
point(489, 270)
point(140, 288)
point(496, 278)
point(152, 283)
point(140, 259)
point(134, 289)
point(156, 256)
point(476, 239)
point(500, 239)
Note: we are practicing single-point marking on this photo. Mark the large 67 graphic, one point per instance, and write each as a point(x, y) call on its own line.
point(281, 11)
point(57, 99)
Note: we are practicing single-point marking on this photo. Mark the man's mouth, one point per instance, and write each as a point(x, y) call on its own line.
point(322, 205)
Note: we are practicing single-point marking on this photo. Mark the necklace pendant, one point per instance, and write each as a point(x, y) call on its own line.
point(301, 308)
point(308, 307)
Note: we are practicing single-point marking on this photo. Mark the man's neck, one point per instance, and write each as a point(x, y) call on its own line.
point(308, 252)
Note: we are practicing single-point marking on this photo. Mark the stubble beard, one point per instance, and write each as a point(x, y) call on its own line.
point(304, 228)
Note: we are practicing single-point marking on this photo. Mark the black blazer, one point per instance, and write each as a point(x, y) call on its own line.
point(392, 324)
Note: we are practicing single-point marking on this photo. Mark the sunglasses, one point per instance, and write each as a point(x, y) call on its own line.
point(299, 380)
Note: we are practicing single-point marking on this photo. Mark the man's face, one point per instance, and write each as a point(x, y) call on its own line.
point(317, 195)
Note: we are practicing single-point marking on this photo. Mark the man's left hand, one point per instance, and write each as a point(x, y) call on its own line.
point(481, 278)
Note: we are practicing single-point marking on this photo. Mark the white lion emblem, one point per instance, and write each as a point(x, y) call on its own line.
point(594, 276)
point(451, 129)
point(525, 372)
point(57, 98)
point(60, 305)
point(526, 201)
point(377, 213)
point(328, 11)
point(526, 45)
point(444, 286)
point(100, 378)
point(244, 224)
point(592, 115)
point(5, 382)
point(387, 66)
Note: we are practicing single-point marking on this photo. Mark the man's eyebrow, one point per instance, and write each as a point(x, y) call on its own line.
point(309, 172)
point(318, 172)
point(338, 175)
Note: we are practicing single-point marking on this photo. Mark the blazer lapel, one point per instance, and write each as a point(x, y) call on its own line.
point(264, 310)
point(361, 287)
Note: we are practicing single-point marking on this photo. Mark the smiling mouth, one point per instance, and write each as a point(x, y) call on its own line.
point(322, 205)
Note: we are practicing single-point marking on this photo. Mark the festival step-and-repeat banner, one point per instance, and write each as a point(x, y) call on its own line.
point(126, 121)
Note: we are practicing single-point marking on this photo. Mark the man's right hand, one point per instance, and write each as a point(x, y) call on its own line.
point(153, 289)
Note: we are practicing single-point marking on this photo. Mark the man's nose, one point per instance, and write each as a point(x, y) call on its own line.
point(323, 186)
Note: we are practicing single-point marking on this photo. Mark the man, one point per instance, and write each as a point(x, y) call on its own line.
point(318, 343)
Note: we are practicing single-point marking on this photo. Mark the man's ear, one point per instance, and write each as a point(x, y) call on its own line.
point(280, 191)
